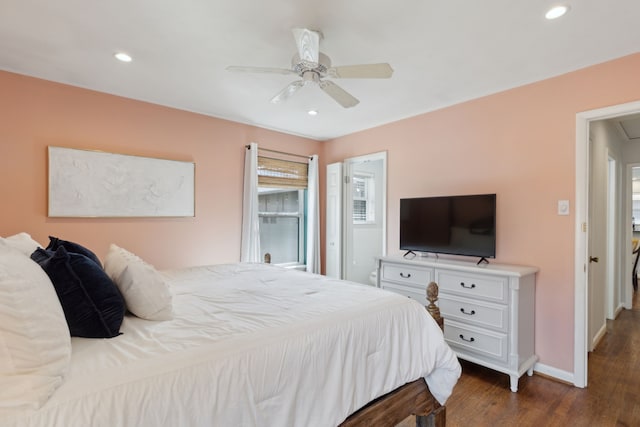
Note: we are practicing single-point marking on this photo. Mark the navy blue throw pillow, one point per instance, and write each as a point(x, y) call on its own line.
point(92, 304)
point(55, 243)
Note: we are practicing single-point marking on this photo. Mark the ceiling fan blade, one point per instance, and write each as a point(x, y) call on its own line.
point(308, 43)
point(285, 93)
point(362, 71)
point(340, 95)
point(268, 70)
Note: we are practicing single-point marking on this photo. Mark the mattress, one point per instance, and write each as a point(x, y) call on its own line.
point(249, 345)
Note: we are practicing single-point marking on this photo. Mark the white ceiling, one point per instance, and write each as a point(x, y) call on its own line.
point(443, 51)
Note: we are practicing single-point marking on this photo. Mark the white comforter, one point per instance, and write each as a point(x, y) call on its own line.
point(251, 345)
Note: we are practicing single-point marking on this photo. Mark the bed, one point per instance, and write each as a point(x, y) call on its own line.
point(255, 344)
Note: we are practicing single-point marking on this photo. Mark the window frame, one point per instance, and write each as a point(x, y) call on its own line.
point(301, 215)
point(369, 198)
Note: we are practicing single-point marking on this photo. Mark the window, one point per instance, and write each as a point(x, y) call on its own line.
point(282, 224)
point(363, 199)
point(282, 194)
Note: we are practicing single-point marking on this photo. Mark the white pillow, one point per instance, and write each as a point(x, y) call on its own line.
point(35, 344)
point(145, 290)
point(22, 242)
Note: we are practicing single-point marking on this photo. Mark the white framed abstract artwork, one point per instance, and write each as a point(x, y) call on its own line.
point(84, 183)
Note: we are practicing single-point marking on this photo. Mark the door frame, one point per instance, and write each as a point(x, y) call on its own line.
point(581, 256)
point(612, 239)
point(346, 171)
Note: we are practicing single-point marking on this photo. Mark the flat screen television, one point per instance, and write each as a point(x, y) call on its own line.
point(454, 225)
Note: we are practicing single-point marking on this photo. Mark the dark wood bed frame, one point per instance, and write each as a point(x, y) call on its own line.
point(413, 398)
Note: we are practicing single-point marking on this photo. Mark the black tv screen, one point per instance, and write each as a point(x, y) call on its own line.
point(455, 225)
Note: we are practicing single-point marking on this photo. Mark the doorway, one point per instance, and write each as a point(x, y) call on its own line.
point(356, 217)
point(582, 336)
point(605, 236)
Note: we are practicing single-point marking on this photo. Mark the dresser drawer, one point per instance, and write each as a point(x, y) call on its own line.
point(407, 274)
point(413, 292)
point(477, 313)
point(468, 339)
point(473, 286)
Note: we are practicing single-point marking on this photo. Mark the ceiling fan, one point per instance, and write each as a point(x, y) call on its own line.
point(314, 66)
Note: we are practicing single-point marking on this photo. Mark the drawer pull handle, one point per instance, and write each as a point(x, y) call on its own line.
point(468, 313)
point(473, 285)
point(405, 276)
point(465, 339)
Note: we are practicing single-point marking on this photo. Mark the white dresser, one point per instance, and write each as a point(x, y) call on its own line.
point(488, 309)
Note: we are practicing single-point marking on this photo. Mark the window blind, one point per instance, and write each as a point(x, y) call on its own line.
point(278, 173)
point(359, 210)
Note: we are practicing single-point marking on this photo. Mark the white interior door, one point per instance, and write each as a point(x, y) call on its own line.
point(334, 221)
point(597, 244)
point(364, 209)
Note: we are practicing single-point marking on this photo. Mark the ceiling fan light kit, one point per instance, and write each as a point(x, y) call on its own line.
point(313, 66)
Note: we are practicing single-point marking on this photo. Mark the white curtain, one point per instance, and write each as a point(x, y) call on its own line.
point(313, 218)
point(250, 246)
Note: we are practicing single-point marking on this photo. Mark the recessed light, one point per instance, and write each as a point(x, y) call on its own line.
point(556, 12)
point(121, 56)
point(312, 112)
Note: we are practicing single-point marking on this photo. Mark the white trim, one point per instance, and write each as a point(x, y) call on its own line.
point(613, 264)
point(583, 120)
point(552, 372)
point(599, 335)
point(618, 309)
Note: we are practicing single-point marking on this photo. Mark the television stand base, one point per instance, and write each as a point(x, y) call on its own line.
point(409, 252)
point(483, 260)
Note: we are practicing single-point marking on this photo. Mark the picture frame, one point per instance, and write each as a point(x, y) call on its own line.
point(89, 184)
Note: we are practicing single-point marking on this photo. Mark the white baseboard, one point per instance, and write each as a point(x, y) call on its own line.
point(618, 310)
point(552, 372)
point(599, 335)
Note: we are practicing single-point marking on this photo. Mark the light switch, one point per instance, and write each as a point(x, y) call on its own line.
point(563, 207)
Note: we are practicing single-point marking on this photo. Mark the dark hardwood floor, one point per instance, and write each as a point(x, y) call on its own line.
point(612, 398)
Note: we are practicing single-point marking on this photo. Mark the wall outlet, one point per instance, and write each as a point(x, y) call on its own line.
point(563, 207)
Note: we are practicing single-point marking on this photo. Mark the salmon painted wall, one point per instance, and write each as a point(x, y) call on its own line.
point(521, 145)
point(36, 113)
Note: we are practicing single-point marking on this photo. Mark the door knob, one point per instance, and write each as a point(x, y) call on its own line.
point(594, 259)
